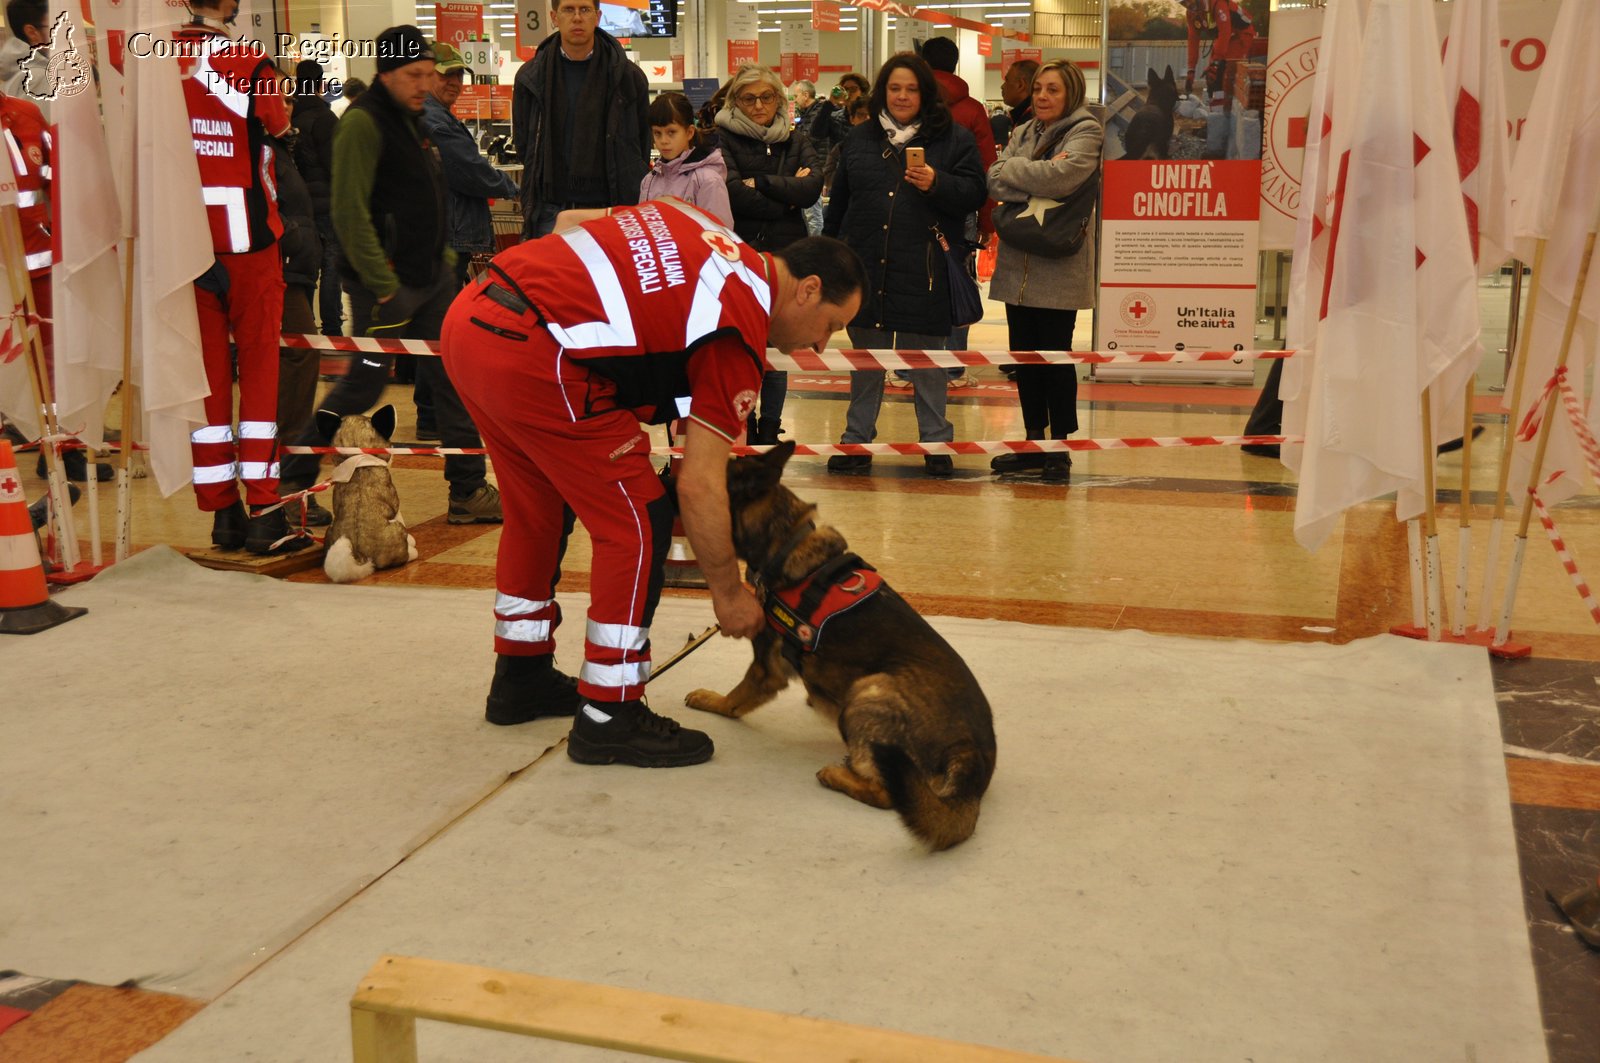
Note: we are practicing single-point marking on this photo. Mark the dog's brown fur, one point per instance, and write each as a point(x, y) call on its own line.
point(918, 732)
point(367, 532)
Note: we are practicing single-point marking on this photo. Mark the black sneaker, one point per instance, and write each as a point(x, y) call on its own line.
point(529, 688)
point(849, 462)
point(227, 527)
point(632, 734)
point(1057, 468)
point(940, 465)
point(268, 535)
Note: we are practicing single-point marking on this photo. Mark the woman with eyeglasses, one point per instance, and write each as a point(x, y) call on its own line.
point(773, 176)
point(892, 210)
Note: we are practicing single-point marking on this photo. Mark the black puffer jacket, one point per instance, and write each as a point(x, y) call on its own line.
point(890, 223)
point(769, 217)
point(313, 149)
point(300, 247)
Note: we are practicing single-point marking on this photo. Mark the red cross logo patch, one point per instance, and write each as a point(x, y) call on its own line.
point(721, 243)
point(10, 488)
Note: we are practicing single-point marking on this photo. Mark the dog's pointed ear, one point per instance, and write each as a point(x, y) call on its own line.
point(1171, 77)
point(779, 456)
point(328, 423)
point(383, 421)
point(1150, 76)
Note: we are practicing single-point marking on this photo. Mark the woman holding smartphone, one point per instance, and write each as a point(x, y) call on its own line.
point(906, 176)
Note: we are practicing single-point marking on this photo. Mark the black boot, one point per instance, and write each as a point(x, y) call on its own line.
point(528, 688)
point(625, 732)
point(267, 534)
point(227, 527)
point(767, 429)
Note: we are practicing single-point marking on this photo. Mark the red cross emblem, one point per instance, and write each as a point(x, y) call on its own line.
point(1138, 310)
point(10, 486)
point(720, 243)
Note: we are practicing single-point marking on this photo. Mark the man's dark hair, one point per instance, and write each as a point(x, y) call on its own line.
point(941, 53)
point(859, 105)
point(830, 261)
point(934, 116)
point(353, 88)
point(20, 13)
point(859, 81)
point(1028, 68)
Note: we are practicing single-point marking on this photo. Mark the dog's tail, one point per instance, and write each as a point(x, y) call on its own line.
point(341, 565)
point(942, 809)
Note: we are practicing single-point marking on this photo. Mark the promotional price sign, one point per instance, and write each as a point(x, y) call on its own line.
point(1011, 52)
point(825, 15)
point(908, 31)
point(1178, 254)
point(798, 53)
point(985, 44)
point(483, 59)
point(532, 26)
point(458, 23)
point(742, 23)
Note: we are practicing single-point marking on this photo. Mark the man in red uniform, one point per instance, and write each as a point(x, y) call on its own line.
point(232, 96)
point(1235, 32)
point(561, 349)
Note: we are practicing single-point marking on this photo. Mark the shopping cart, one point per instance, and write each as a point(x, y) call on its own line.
point(505, 215)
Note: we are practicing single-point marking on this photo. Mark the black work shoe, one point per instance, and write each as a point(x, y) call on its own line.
point(1261, 450)
point(268, 535)
point(1016, 462)
point(39, 512)
point(632, 734)
point(227, 527)
point(529, 688)
point(849, 462)
point(315, 515)
point(76, 467)
point(940, 465)
point(1057, 468)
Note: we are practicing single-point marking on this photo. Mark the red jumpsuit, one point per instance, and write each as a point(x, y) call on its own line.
point(628, 318)
point(1235, 34)
point(27, 139)
point(232, 99)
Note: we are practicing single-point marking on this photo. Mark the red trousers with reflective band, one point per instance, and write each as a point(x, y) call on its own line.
point(252, 311)
point(550, 452)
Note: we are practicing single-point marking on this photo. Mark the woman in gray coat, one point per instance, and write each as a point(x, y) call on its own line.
point(1043, 295)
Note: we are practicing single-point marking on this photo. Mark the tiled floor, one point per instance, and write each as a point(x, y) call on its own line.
point(1194, 541)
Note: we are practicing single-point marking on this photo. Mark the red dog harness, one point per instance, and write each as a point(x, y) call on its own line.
point(800, 612)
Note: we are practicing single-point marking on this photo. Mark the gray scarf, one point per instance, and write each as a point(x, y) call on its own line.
point(899, 135)
point(736, 121)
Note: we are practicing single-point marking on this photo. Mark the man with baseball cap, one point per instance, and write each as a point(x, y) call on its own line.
point(388, 204)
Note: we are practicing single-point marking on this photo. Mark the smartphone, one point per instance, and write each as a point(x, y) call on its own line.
point(914, 157)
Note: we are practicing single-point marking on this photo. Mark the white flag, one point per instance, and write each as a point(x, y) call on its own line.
point(1555, 182)
point(16, 387)
point(88, 278)
point(1475, 93)
point(1333, 99)
point(1402, 294)
point(172, 248)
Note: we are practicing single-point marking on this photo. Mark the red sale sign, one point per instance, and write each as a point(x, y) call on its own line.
point(456, 23)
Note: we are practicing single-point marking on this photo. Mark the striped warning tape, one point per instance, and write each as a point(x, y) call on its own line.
point(1567, 561)
point(840, 360)
point(1031, 446)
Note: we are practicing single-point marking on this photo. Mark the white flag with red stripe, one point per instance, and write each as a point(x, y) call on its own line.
point(1555, 190)
point(16, 387)
point(1333, 98)
point(1475, 92)
point(1402, 309)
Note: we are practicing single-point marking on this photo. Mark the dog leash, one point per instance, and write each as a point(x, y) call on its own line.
point(689, 647)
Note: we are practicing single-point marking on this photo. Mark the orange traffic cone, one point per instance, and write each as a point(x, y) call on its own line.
point(25, 605)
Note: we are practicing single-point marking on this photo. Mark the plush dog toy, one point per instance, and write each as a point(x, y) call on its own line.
point(367, 532)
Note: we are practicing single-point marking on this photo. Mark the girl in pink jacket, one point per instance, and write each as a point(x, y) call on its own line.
point(687, 169)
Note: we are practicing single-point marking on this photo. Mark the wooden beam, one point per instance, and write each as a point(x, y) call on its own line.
point(629, 1020)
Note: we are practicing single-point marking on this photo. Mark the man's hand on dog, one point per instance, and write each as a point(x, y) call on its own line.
point(739, 613)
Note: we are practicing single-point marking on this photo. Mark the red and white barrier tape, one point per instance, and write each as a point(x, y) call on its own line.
point(840, 360)
point(1031, 446)
point(1567, 561)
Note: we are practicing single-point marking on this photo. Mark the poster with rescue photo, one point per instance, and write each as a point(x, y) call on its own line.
point(1185, 78)
point(1525, 27)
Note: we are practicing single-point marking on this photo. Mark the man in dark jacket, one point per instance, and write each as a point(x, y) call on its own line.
point(313, 157)
point(388, 206)
point(579, 115)
point(1017, 90)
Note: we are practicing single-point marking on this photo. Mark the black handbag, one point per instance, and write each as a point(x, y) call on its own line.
point(966, 303)
point(1050, 228)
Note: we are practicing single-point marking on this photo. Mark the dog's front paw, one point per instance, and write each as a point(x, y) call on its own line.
point(707, 701)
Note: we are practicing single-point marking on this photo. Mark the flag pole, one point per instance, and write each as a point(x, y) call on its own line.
point(1519, 371)
point(129, 432)
point(1419, 616)
point(1458, 625)
point(38, 377)
point(1430, 520)
point(1502, 631)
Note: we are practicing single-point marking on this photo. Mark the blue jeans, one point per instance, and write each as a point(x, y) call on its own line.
point(928, 389)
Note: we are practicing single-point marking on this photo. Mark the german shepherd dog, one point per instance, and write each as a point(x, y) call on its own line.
point(367, 532)
point(917, 729)
point(1149, 134)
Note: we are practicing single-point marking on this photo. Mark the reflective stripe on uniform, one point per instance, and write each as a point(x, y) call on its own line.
point(258, 470)
point(616, 330)
point(215, 474)
point(38, 260)
point(27, 199)
point(522, 630)
point(511, 605)
point(634, 673)
point(258, 430)
point(618, 636)
point(217, 84)
point(212, 433)
point(231, 199)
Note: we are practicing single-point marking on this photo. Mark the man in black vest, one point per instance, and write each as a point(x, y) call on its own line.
point(388, 205)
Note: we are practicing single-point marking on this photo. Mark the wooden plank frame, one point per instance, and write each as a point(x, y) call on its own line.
point(401, 989)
